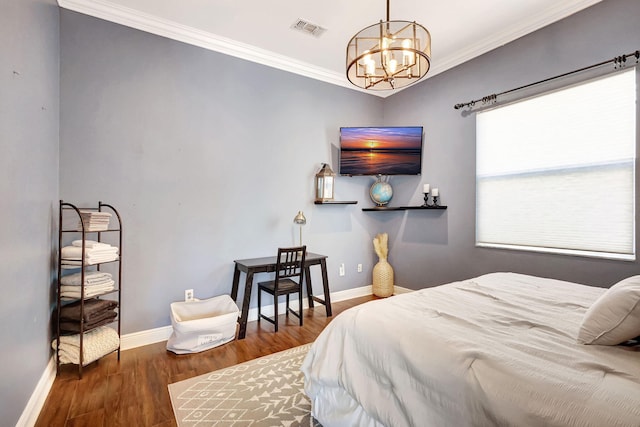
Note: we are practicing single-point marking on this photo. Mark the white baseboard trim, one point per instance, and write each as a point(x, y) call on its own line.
point(351, 293)
point(397, 290)
point(36, 402)
point(152, 336)
point(149, 336)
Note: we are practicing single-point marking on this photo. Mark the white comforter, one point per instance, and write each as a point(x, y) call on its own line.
point(496, 350)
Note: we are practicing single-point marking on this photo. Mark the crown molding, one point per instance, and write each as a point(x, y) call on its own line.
point(152, 24)
point(510, 33)
point(126, 16)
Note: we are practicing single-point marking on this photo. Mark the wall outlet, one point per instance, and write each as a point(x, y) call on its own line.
point(359, 268)
point(342, 269)
point(188, 295)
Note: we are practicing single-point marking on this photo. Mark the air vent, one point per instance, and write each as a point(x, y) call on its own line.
point(308, 27)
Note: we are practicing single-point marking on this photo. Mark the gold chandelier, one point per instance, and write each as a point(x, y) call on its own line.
point(389, 55)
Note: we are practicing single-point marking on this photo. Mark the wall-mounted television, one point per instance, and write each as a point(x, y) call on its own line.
point(391, 150)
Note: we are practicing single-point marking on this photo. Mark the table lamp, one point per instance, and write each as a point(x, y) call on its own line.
point(300, 220)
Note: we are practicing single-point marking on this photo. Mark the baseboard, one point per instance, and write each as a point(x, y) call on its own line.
point(152, 336)
point(36, 402)
point(352, 293)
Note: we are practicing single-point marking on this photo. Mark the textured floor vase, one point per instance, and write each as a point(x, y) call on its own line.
point(263, 392)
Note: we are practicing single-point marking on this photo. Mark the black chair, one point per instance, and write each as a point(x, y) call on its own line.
point(288, 280)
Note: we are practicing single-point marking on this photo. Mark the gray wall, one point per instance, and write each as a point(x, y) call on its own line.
point(436, 248)
point(207, 157)
point(209, 162)
point(29, 119)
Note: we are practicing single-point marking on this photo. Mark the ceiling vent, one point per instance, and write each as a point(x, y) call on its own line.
point(308, 27)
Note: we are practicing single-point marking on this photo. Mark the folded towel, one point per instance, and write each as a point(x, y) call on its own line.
point(90, 278)
point(95, 214)
point(93, 227)
point(94, 220)
point(89, 291)
point(90, 260)
point(92, 244)
point(69, 295)
point(74, 326)
point(76, 263)
point(75, 252)
point(109, 284)
point(95, 344)
point(93, 309)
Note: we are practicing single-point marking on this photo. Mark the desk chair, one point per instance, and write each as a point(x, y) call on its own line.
point(288, 280)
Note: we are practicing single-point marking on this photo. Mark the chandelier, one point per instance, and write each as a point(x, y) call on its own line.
point(389, 55)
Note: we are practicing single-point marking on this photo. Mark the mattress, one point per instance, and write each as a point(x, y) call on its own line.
point(495, 350)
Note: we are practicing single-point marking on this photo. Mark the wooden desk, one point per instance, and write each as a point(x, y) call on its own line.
point(266, 265)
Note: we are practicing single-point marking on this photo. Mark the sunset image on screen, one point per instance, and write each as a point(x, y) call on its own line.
point(385, 151)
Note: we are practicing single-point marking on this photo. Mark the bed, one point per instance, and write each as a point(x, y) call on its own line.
point(502, 349)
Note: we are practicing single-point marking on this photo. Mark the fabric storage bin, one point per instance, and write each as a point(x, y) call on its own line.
point(202, 324)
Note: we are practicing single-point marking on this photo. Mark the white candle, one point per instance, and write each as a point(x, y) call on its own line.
point(435, 192)
point(425, 188)
point(371, 67)
point(393, 66)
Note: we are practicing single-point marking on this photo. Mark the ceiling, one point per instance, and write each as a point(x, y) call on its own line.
point(261, 31)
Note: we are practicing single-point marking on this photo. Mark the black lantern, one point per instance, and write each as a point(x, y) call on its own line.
point(325, 179)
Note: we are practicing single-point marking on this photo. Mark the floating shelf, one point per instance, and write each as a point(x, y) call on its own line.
point(424, 207)
point(336, 202)
point(403, 208)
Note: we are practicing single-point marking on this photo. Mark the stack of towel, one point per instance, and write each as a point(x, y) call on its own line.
point(94, 253)
point(95, 344)
point(95, 283)
point(94, 221)
point(97, 312)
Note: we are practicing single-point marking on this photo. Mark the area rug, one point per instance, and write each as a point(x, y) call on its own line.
point(262, 392)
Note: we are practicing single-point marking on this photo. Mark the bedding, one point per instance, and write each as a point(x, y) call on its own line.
point(497, 350)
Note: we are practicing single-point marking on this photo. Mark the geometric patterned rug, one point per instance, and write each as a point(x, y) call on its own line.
point(268, 391)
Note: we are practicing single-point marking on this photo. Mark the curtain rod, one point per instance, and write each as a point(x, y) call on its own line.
point(620, 61)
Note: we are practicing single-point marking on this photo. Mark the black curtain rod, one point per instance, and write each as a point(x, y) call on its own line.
point(620, 61)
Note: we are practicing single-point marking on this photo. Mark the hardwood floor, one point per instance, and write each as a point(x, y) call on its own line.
point(134, 391)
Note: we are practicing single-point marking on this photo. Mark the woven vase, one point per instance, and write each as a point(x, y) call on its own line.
point(383, 279)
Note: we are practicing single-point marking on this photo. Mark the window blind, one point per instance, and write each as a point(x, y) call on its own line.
point(556, 173)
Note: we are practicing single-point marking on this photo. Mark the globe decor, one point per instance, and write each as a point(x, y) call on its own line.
point(381, 191)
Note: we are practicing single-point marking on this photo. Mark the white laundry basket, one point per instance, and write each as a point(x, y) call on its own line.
point(202, 324)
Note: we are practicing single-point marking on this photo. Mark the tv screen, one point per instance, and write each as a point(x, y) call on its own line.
point(381, 150)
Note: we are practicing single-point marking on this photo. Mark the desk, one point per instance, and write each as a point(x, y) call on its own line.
point(266, 265)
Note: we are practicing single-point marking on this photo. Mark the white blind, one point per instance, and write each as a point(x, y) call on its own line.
point(557, 172)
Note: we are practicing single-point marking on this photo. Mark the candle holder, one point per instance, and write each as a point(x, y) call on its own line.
point(435, 201)
point(426, 200)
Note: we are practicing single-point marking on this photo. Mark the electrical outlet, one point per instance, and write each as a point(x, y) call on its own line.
point(188, 295)
point(359, 268)
point(342, 269)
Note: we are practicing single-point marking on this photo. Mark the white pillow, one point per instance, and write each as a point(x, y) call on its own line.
point(614, 317)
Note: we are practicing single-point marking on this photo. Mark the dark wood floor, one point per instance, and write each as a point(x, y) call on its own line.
point(134, 391)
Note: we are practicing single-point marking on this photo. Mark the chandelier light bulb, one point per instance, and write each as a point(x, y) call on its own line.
point(393, 66)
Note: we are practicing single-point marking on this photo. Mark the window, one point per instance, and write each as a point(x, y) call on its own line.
point(556, 173)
